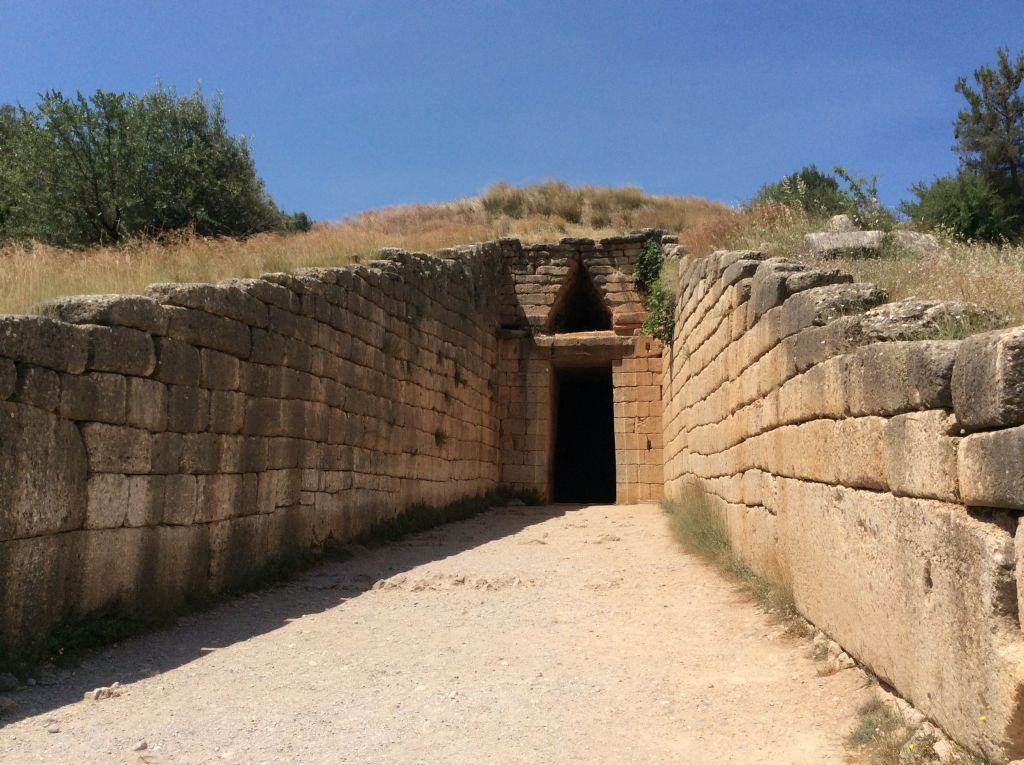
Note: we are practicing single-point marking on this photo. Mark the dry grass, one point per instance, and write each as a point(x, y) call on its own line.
point(699, 525)
point(986, 274)
point(31, 274)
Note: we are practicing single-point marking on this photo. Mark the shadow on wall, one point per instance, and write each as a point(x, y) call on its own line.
point(316, 590)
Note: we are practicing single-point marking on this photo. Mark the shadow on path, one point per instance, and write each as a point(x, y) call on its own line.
point(323, 586)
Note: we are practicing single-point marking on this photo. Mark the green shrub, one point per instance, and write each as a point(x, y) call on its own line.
point(658, 300)
point(966, 205)
point(808, 189)
point(661, 305)
point(648, 265)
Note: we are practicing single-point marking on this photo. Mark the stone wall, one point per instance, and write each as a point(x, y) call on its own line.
point(533, 347)
point(163, 446)
point(869, 464)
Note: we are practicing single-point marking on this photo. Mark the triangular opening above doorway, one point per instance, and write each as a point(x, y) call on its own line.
point(579, 306)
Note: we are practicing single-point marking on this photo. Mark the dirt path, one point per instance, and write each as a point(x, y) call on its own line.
point(526, 635)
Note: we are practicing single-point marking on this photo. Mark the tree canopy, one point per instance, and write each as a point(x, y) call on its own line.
point(985, 199)
point(990, 131)
point(91, 170)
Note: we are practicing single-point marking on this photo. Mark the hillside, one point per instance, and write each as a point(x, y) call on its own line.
point(32, 274)
point(984, 273)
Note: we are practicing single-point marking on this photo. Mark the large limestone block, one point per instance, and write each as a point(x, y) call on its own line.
point(109, 569)
point(43, 478)
point(8, 378)
point(896, 377)
point(177, 362)
point(921, 455)
point(768, 288)
point(38, 585)
point(135, 311)
point(48, 343)
point(824, 304)
point(920, 592)
point(147, 404)
point(208, 331)
point(38, 387)
point(859, 453)
point(98, 397)
point(991, 468)
point(225, 300)
point(863, 244)
point(116, 449)
point(119, 349)
point(988, 380)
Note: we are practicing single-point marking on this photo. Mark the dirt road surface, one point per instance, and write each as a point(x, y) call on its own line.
point(525, 635)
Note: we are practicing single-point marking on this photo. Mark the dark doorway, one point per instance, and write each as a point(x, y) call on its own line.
point(584, 468)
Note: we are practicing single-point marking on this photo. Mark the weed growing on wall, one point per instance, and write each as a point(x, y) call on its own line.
point(660, 302)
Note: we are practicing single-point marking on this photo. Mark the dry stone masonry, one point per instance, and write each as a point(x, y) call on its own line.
point(871, 467)
point(159, 447)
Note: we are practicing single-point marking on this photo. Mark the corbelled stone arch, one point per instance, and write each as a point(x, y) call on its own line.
point(579, 305)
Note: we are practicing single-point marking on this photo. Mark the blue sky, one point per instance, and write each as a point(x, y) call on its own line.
point(354, 105)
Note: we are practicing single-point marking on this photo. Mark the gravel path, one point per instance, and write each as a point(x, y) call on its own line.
point(525, 635)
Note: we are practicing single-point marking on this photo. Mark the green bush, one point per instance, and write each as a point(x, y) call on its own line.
point(660, 304)
point(808, 189)
point(99, 169)
point(648, 265)
point(965, 205)
point(658, 300)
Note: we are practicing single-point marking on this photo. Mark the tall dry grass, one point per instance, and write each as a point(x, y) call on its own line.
point(31, 274)
point(987, 274)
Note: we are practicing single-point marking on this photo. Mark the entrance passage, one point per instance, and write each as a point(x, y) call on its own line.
point(584, 469)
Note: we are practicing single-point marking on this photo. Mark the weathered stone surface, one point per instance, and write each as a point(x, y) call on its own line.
point(209, 331)
point(840, 224)
point(180, 500)
point(917, 242)
point(857, 244)
point(226, 300)
point(177, 362)
point(890, 378)
point(39, 577)
point(991, 469)
point(227, 411)
point(44, 342)
point(135, 311)
point(899, 558)
point(821, 305)
point(768, 288)
point(914, 319)
point(43, 480)
point(145, 500)
point(921, 454)
point(988, 380)
point(806, 280)
point(38, 387)
point(107, 506)
point(94, 397)
point(188, 409)
point(118, 349)
point(146, 404)
point(218, 371)
point(117, 449)
point(8, 378)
